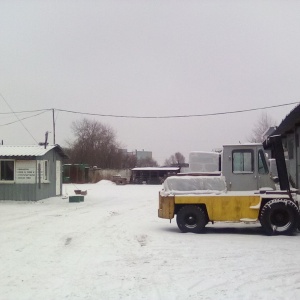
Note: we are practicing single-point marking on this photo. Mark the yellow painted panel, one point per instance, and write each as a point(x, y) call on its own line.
point(166, 207)
point(225, 208)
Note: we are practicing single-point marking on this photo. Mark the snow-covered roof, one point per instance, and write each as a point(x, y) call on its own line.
point(203, 152)
point(243, 145)
point(28, 150)
point(289, 122)
point(156, 169)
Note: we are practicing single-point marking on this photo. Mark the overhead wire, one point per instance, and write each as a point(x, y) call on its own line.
point(144, 117)
point(25, 118)
point(175, 116)
point(24, 111)
point(18, 118)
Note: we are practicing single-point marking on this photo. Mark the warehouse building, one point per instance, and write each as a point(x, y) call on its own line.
point(289, 129)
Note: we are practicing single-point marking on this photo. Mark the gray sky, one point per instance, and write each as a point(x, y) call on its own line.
point(148, 58)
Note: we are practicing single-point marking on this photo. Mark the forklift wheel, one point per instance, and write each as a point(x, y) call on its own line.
point(279, 216)
point(191, 218)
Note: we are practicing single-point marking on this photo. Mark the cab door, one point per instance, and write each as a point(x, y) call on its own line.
point(263, 173)
point(243, 176)
point(239, 168)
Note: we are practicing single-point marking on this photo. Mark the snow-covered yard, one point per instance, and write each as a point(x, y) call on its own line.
point(113, 246)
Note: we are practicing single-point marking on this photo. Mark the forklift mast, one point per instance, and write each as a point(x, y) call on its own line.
point(274, 143)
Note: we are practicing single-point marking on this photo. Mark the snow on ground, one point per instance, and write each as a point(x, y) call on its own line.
point(113, 246)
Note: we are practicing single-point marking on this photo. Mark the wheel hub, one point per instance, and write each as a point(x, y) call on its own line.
point(190, 221)
point(280, 218)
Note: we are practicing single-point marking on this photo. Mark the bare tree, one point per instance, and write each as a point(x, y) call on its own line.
point(263, 123)
point(175, 159)
point(128, 161)
point(94, 144)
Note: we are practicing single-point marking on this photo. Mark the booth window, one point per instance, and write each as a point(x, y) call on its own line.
point(46, 170)
point(7, 172)
point(43, 171)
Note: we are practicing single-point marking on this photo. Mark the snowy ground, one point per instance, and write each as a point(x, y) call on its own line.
point(113, 246)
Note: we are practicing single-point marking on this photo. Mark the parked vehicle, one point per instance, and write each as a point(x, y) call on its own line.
point(197, 200)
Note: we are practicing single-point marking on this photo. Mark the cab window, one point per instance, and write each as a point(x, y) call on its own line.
point(262, 164)
point(242, 161)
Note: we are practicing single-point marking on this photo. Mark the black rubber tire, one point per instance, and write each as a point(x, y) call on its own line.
point(191, 218)
point(279, 216)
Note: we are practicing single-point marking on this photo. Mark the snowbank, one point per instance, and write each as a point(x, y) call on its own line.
point(105, 182)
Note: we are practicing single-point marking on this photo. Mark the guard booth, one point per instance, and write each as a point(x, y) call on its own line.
point(30, 172)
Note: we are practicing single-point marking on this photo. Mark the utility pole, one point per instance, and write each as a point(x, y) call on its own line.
point(53, 121)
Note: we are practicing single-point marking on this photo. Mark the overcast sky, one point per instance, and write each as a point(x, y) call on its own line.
point(148, 58)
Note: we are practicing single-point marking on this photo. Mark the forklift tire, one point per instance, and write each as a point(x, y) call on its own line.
point(279, 216)
point(191, 218)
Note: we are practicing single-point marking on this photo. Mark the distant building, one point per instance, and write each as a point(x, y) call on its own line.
point(143, 154)
point(139, 154)
point(152, 175)
point(123, 151)
point(30, 172)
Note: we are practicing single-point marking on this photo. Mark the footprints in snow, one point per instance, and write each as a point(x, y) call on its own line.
point(113, 213)
point(142, 239)
point(68, 241)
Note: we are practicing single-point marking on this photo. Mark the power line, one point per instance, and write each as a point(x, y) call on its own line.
point(23, 119)
point(175, 116)
point(150, 117)
point(41, 111)
point(18, 118)
point(24, 111)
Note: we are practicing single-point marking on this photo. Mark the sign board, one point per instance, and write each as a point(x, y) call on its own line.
point(25, 171)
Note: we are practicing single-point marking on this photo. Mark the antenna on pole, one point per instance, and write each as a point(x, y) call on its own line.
point(53, 121)
point(46, 140)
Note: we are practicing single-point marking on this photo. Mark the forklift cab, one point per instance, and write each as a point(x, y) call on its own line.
point(245, 167)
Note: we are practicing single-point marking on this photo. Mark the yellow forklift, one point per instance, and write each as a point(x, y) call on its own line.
point(197, 200)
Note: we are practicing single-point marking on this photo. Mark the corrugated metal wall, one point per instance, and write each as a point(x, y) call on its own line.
point(17, 191)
